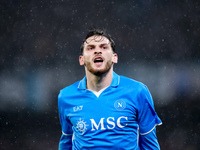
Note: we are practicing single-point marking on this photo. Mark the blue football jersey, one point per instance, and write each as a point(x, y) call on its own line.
point(113, 120)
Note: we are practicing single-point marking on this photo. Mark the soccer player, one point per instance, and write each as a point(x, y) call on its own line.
point(105, 110)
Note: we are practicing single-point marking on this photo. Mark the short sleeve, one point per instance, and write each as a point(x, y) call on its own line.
point(147, 117)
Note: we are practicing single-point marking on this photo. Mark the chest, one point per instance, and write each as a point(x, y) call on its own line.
point(109, 111)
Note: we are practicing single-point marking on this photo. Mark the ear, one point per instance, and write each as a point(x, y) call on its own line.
point(115, 58)
point(81, 61)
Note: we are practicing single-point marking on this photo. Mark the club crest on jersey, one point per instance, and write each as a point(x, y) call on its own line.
point(120, 104)
point(81, 125)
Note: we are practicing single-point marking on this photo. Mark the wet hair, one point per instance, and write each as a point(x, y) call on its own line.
point(97, 33)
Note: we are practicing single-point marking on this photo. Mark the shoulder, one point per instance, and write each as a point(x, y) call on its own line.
point(131, 83)
point(69, 90)
point(66, 95)
point(138, 90)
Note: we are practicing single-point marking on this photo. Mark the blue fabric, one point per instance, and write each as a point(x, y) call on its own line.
point(110, 121)
point(149, 141)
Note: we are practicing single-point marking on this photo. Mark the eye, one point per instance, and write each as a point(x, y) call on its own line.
point(90, 48)
point(104, 47)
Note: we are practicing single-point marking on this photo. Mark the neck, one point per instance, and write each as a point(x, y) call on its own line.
point(98, 82)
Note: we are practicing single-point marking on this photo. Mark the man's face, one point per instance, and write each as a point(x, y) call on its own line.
point(98, 56)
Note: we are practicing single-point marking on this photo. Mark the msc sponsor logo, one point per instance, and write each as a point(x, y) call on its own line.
point(81, 125)
point(110, 122)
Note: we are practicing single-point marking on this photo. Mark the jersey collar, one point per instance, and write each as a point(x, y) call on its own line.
point(114, 83)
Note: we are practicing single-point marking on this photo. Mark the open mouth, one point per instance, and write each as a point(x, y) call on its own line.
point(98, 60)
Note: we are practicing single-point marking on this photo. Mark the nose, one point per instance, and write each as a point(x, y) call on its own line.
point(97, 52)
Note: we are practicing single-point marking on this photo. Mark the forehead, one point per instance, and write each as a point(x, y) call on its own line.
point(96, 40)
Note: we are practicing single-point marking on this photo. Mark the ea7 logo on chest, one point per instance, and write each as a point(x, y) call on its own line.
point(77, 108)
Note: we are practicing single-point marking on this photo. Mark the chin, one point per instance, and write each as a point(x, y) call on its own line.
point(99, 71)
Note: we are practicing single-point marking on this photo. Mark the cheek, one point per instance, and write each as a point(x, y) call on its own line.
point(85, 59)
point(111, 57)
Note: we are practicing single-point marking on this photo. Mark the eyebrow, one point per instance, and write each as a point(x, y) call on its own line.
point(93, 45)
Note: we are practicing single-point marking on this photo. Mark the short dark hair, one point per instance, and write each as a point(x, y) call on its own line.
point(98, 32)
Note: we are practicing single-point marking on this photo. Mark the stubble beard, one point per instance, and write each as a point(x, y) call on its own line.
point(99, 72)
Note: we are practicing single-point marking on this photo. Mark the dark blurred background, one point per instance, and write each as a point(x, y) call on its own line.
point(157, 42)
